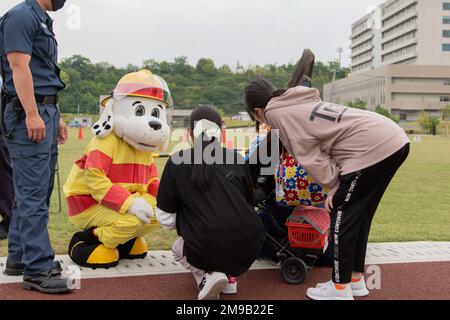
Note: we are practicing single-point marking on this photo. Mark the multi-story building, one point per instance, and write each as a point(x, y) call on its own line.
point(405, 90)
point(402, 32)
point(400, 59)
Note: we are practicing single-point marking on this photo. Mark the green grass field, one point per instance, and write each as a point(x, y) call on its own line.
point(415, 207)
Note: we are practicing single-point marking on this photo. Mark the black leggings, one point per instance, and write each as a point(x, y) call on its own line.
point(355, 204)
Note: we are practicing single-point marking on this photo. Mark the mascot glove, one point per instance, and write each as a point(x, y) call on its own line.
point(141, 209)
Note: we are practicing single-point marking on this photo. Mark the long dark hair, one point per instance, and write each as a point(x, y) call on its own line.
point(201, 172)
point(258, 94)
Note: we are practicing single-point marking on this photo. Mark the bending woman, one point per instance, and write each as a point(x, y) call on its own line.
point(355, 153)
point(206, 193)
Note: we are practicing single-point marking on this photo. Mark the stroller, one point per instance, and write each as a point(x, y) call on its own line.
point(296, 245)
point(296, 237)
point(291, 241)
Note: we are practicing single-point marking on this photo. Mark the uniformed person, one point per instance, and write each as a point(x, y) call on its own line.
point(32, 130)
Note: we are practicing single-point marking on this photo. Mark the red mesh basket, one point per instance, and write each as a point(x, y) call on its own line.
point(303, 235)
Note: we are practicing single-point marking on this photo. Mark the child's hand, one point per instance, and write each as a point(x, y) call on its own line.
point(329, 203)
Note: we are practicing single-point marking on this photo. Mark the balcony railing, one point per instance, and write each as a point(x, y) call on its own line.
point(399, 46)
point(360, 51)
point(400, 32)
point(387, 13)
point(398, 21)
point(362, 40)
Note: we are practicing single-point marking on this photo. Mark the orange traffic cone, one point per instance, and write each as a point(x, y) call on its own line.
point(224, 135)
point(80, 133)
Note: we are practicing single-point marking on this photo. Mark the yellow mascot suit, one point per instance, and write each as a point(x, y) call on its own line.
point(111, 189)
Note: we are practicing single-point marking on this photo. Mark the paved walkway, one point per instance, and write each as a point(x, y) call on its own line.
point(415, 270)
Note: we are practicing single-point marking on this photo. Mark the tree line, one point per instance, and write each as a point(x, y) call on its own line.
point(204, 83)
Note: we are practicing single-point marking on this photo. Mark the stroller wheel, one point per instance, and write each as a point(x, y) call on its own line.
point(294, 270)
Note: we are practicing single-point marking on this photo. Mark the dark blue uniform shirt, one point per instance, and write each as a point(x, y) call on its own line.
point(28, 29)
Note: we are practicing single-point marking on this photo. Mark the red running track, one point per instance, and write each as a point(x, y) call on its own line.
point(411, 281)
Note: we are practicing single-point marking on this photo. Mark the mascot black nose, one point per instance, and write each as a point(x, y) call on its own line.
point(155, 125)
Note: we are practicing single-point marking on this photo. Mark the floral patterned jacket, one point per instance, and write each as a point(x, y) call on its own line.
point(294, 186)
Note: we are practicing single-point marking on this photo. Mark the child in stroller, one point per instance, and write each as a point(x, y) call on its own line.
point(277, 198)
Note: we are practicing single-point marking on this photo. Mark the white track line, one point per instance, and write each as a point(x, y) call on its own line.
point(162, 262)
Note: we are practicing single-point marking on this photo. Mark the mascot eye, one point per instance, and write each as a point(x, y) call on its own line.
point(155, 113)
point(140, 111)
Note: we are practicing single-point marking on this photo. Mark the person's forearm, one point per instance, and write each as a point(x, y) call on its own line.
point(166, 220)
point(23, 82)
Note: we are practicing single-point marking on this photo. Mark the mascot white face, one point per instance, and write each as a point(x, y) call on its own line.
point(138, 119)
point(142, 123)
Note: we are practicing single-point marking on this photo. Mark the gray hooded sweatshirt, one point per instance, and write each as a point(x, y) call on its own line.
point(330, 140)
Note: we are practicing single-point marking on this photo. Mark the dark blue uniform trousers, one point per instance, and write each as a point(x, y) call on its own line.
point(33, 174)
point(6, 185)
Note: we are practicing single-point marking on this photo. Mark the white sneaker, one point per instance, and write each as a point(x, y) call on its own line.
point(329, 292)
point(212, 285)
point(231, 287)
point(359, 288)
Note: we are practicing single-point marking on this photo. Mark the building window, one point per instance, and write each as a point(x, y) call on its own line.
point(446, 47)
point(446, 20)
point(446, 33)
point(446, 5)
point(445, 99)
point(403, 117)
point(447, 82)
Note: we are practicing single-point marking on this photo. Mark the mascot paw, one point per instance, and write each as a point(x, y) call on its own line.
point(141, 209)
point(92, 255)
point(134, 249)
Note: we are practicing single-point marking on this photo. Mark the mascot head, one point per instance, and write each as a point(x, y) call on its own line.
point(136, 112)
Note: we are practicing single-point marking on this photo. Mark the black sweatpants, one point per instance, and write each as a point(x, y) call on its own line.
point(355, 203)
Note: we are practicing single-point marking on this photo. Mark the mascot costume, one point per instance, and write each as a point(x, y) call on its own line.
point(111, 191)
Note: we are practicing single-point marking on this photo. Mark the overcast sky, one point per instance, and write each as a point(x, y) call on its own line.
point(248, 31)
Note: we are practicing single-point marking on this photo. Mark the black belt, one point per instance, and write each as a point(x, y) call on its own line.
point(17, 105)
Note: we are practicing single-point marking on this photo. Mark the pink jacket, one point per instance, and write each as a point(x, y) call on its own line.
point(329, 139)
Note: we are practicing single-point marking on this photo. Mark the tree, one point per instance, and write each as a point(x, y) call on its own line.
point(206, 67)
point(191, 85)
point(427, 123)
point(387, 114)
point(434, 123)
point(358, 104)
point(446, 118)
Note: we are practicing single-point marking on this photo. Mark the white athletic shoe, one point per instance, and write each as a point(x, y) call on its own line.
point(212, 285)
point(359, 288)
point(329, 292)
point(231, 287)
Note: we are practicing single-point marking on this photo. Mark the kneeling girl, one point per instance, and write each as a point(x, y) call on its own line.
point(206, 193)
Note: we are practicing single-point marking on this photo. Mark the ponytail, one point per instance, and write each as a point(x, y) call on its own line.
point(201, 171)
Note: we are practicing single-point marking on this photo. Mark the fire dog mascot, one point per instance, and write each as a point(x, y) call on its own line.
point(111, 190)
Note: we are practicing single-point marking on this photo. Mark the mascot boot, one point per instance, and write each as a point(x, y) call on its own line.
point(134, 249)
point(87, 251)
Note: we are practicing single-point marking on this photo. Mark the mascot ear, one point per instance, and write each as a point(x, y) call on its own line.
point(103, 127)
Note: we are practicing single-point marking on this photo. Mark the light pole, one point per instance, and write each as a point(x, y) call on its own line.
point(339, 51)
